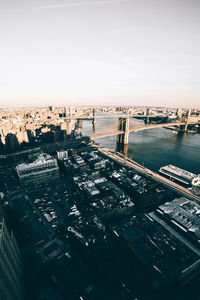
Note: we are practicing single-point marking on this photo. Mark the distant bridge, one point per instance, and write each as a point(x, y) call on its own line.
point(114, 115)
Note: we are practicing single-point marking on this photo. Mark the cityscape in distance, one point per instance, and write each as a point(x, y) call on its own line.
point(99, 150)
point(85, 216)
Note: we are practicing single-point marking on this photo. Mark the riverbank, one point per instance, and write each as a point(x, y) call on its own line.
point(125, 161)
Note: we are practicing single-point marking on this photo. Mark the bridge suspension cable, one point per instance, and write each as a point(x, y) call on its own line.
point(108, 127)
point(134, 124)
point(114, 127)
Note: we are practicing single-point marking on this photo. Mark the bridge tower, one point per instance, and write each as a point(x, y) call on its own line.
point(122, 139)
point(147, 121)
point(119, 136)
point(79, 123)
point(185, 127)
point(94, 119)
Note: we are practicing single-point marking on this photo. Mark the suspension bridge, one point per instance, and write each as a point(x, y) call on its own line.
point(116, 128)
point(123, 126)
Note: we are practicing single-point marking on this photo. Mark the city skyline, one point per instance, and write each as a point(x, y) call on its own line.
point(110, 52)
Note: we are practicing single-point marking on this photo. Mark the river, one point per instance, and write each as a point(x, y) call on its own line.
point(157, 147)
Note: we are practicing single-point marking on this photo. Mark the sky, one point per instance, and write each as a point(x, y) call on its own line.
point(100, 52)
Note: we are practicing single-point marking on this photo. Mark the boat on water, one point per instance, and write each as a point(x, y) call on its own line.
point(180, 175)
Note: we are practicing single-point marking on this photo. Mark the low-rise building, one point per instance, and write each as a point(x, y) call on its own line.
point(184, 215)
point(162, 259)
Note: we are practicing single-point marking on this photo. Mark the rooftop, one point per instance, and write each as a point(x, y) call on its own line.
point(43, 160)
point(164, 256)
point(184, 214)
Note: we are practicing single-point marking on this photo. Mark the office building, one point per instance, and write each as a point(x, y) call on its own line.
point(10, 265)
point(43, 169)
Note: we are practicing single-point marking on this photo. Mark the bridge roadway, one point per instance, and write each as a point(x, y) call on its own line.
point(135, 129)
point(120, 158)
point(90, 117)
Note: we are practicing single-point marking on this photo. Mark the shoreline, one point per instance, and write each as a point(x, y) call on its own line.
point(125, 161)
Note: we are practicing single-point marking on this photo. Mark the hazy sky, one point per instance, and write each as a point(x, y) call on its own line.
point(100, 52)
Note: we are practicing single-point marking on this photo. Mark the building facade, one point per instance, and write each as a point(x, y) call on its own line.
point(43, 169)
point(10, 265)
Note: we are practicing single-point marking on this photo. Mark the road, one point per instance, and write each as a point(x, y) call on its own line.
point(147, 172)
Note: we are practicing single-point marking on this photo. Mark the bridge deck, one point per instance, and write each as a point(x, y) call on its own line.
point(89, 117)
point(134, 129)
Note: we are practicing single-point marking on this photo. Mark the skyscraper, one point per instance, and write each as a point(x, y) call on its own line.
point(10, 264)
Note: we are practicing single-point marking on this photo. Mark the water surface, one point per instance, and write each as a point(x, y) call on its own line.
point(155, 147)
